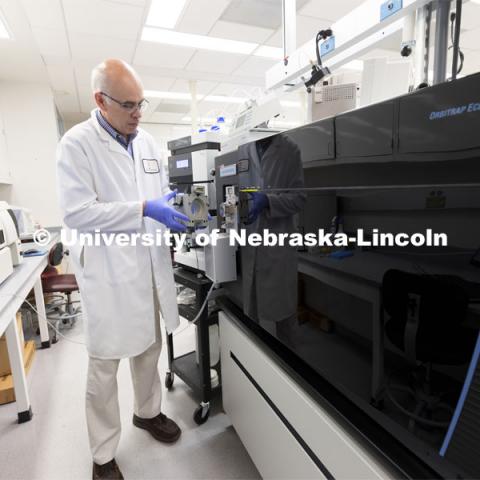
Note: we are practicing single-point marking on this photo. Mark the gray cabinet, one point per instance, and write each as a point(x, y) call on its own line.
point(367, 132)
point(317, 140)
point(441, 119)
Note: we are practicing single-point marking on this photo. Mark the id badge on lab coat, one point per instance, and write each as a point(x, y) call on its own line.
point(150, 165)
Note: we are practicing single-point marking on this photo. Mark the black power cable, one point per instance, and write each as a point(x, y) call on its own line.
point(318, 71)
point(321, 35)
point(456, 21)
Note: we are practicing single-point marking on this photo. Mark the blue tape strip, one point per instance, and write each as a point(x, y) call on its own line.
point(34, 252)
point(463, 396)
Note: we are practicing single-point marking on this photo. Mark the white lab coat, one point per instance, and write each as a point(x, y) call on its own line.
point(269, 274)
point(102, 187)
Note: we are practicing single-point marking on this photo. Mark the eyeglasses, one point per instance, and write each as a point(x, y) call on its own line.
point(129, 107)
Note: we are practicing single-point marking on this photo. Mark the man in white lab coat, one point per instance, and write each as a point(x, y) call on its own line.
point(270, 273)
point(111, 179)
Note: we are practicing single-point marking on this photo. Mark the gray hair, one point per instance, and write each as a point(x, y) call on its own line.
point(99, 78)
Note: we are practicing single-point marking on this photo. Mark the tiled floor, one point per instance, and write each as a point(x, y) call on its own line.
point(54, 444)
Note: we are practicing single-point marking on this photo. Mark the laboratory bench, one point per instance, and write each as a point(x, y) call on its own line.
point(13, 292)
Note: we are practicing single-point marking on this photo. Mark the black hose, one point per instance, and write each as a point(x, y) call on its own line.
point(456, 43)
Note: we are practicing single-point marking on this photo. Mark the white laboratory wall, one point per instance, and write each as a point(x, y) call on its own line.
point(30, 134)
point(383, 79)
point(163, 133)
point(5, 174)
point(68, 124)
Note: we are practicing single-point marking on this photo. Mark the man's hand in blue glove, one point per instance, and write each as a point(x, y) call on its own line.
point(162, 212)
point(260, 203)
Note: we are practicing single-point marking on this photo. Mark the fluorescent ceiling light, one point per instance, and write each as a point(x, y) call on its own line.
point(167, 95)
point(165, 13)
point(202, 42)
point(269, 52)
point(188, 97)
point(3, 28)
point(223, 99)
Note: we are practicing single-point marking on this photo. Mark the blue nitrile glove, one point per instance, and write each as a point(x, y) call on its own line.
point(162, 212)
point(260, 203)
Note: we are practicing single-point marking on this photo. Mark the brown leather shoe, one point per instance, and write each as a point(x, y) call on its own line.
point(109, 471)
point(160, 427)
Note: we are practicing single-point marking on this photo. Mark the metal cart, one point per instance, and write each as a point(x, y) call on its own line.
point(196, 376)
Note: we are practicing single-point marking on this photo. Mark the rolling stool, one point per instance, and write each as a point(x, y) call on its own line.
point(61, 309)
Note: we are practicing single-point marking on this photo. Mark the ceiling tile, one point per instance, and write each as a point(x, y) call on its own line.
point(203, 87)
point(237, 90)
point(264, 13)
point(308, 27)
point(112, 19)
point(97, 49)
point(155, 55)
point(173, 107)
point(62, 78)
point(215, 109)
point(276, 40)
point(240, 32)
point(66, 102)
point(155, 102)
point(44, 13)
point(82, 75)
point(200, 16)
point(51, 42)
point(332, 11)
point(218, 109)
point(255, 66)
point(19, 59)
point(156, 82)
point(215, 62)
point(54, 60)
point(19, 65)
